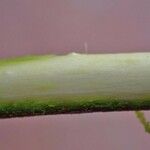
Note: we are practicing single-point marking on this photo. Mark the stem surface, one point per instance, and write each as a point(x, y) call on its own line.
point(74, 83)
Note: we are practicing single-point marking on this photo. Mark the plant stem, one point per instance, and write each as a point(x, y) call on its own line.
point(74, 83)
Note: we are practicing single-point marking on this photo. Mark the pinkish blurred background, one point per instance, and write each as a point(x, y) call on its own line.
point(60, 26)
point(91, 131)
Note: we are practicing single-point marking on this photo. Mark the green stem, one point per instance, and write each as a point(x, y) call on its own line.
point(146, 124)
point(74, 83)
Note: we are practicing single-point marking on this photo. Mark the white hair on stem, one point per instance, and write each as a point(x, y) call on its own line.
point(85, 47)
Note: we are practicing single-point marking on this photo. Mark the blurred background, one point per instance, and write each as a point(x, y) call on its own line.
point(62, 26)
